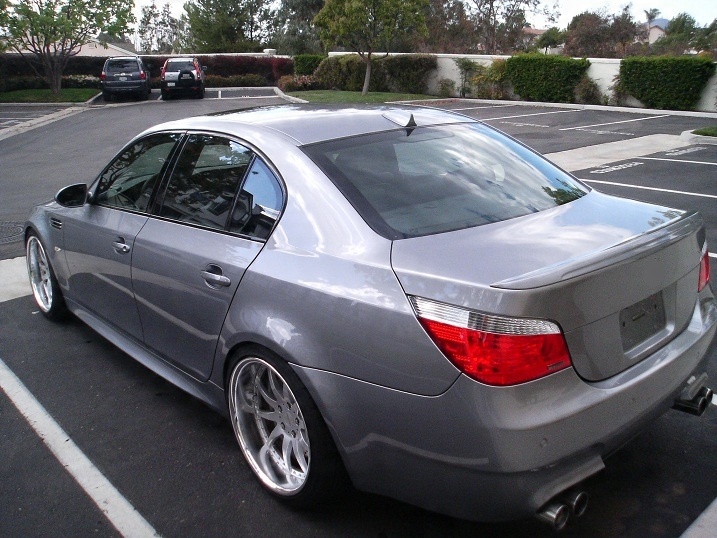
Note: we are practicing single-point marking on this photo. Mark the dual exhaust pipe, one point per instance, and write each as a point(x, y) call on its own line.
point(696, 405)
point(573, 503)
point(556, 513)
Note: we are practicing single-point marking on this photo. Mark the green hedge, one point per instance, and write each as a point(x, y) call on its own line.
point(404, 73)
point(306, 64)
point(538, 77)
point(666, 82)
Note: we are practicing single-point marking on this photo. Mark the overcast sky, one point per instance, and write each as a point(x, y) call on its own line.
point(704, 11)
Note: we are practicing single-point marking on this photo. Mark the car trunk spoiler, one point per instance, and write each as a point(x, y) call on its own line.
point(637, 246)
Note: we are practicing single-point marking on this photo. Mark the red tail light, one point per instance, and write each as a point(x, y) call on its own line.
point(494, 350)
point(103, 76)
point(142, 75)
point(161, 74)
point(704, 269)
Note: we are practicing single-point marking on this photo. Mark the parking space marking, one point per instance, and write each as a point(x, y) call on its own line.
point(480, 107)
point(120, 513)
point(614, 122)
point(676, 160)
point(526, 115)
point(642, 187)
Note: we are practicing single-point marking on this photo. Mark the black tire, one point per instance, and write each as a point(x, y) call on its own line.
point(314, 473)
point(45, 288)
point(165, 95)
point(107, 96)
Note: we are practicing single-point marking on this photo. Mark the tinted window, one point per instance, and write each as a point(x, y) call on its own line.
point(413, 182)
point(179, 66)
point(258, 203)
point(122, 65)
point(129, 180)
point(202, 187)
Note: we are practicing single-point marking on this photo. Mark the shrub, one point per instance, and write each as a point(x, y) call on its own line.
point(236, 81)
point(289, 83)
point(446, 87)
point(588, 92)
point(409, 73)
point(306, 64)
point(537, 77)
point(667, 82)
point(348, 72)
point(489, 82)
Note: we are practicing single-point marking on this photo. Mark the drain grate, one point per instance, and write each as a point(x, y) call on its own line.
point(10, 232)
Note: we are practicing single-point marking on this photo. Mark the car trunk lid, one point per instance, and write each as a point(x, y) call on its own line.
point(618, 276)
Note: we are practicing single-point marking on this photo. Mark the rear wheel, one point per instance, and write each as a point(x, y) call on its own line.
point(165, 95)
point(44, 284)
point(281, 432)
point(107, 96)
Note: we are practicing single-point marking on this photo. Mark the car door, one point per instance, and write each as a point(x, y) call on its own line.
point(99, 236)
point(219, 205)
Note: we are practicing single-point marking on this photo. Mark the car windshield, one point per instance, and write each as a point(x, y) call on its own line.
point(420, 181)
point(180, 65)
point(122, 65)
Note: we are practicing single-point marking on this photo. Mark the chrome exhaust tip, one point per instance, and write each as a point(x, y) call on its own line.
point(696, 405)
point(576, 500)
point(556, 514)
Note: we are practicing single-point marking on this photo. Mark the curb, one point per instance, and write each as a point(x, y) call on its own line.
point(690, 138)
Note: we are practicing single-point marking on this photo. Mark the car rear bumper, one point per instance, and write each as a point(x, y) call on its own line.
point(129, 87)
point(492, 453)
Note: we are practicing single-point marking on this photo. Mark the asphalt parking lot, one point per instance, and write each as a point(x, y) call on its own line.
point(176, 461)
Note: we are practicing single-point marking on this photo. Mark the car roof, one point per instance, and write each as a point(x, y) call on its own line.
point(308, 124)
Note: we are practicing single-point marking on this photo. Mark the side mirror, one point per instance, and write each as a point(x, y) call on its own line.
point(72, 196)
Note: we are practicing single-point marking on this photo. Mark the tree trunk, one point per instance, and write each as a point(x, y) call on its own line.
point(367, 78)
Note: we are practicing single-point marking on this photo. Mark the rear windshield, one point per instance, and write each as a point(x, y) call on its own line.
point(122, 65)
point(421, 181)
point(180, 65)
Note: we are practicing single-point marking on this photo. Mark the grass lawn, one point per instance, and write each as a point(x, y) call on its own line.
point(333, 96)
point(707, 131)
point(68, 95)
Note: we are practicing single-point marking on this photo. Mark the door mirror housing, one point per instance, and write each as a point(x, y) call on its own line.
point(72, 196)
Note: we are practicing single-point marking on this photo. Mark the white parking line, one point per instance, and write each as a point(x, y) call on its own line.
point(120, 513)
point(613, 123)
point(481, 107)
point(685, 193)
point(526, 115)
point(677, 160)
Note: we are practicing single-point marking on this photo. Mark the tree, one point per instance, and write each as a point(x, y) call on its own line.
point(369, 26)
point(47, 33)
point(158, 31)
point(451, 29)
point(147, 28)
point(494, 16)
point(228, 25)
point(651, 15)
point(624, 31)
point(552, 38)
point(588, 35)
point(296, 32)
point(680, 35)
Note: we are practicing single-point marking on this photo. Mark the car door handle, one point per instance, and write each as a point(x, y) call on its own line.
point(120, 246)
point(214, 277)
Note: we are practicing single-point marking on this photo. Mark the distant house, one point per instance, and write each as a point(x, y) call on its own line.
point(656, 30)
point(95, 48)
point(530, 36)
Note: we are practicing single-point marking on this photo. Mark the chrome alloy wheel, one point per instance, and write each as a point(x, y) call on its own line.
point(38, 269)
point(270, 426)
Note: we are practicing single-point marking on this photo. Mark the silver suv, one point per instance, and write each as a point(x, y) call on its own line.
point(125, 75)
point(182, 75)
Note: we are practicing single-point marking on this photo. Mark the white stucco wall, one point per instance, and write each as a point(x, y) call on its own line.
point(602, 71)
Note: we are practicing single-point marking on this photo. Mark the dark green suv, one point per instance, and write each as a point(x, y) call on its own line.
point(123, 75)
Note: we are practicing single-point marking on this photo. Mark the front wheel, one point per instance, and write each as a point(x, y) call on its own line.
point(280, 431)
point(44, 284)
